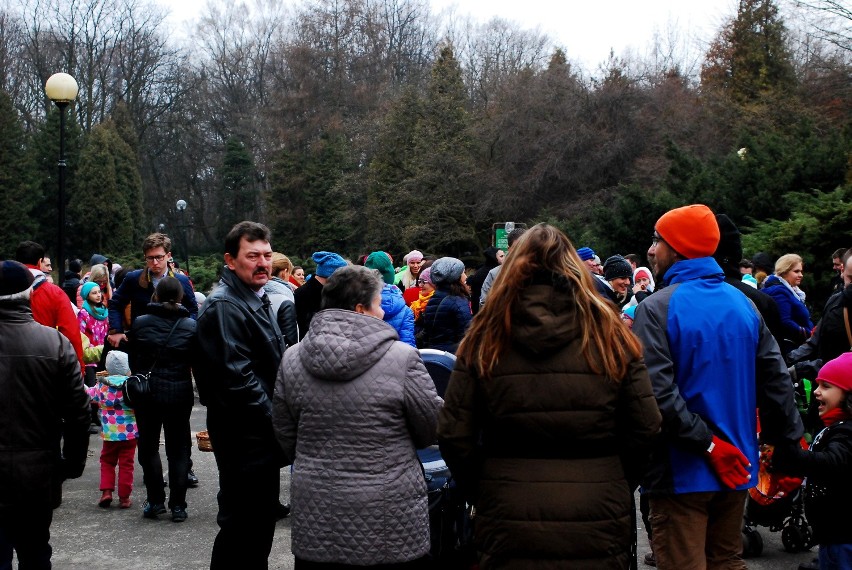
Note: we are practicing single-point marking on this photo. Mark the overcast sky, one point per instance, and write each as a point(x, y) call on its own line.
point(588, 29)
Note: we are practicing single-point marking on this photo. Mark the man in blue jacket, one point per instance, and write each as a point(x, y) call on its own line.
point(713, 363)
point(138, 287)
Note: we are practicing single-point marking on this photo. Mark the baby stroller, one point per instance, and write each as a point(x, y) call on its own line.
point(783, 512)
point(449, 515)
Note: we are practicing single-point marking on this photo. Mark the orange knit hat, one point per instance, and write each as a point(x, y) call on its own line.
point(691, 230)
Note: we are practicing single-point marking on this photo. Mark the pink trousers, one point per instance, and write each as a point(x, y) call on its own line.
point(119, 453)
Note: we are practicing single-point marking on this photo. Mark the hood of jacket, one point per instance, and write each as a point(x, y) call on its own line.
point(544, 318)
point(277, 286)
point(490, 254)
point(697, 268)
point(653, 284)
point(392, 301)
point(167, 312)
point(341, 345)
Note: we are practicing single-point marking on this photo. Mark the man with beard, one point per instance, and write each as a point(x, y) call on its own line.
point(712, 362)
point(240, 348)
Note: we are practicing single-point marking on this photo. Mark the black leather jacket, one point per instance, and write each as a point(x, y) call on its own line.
point(42, 387)
point(171, 378)
point(240, 349)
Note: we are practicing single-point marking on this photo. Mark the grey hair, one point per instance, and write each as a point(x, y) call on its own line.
point(351, 286)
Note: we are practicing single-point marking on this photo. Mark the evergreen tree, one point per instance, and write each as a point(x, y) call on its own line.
point(129, 170)
point(16, 182)
point(237, 200)
point(100, 217)
point(426, 187)
point(314, 204)
point(750, 58)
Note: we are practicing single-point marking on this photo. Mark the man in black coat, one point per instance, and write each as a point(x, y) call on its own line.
point(44, 402)
point(728, 255)
point(493, 258)
point(240, 349)
point(309, 296)
point(71, 281)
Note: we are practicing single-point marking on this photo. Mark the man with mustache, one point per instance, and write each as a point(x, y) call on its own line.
point(240, 348)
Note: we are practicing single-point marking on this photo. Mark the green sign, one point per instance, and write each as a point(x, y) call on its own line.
point(500, 241)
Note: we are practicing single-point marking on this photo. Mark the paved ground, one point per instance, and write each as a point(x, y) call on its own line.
point(85, 536)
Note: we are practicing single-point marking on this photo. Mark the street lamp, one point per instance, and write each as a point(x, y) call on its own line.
point(181, 207)
point(61, 88)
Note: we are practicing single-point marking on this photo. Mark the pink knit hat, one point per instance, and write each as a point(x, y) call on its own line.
point(838, 372)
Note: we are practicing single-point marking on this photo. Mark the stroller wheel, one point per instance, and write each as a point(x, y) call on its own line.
point(793, 538)
point(807, 537)
point(752, 543)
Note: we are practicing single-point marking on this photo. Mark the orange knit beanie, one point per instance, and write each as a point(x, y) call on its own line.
point(691, 230)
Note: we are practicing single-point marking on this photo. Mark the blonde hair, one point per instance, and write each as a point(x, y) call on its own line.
point(280, 262)
point(786, 263)
point(607, 345)
point(99, 272)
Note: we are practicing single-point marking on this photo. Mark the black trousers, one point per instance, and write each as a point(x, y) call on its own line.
point(248, 496)
point(173, 420)
point(27, 532)
point(249, 462)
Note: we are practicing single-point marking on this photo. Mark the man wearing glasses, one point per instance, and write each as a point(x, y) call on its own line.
point(138, 287)
point(712, 362)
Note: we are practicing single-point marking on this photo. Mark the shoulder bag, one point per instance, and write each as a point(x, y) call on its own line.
point(137, 387)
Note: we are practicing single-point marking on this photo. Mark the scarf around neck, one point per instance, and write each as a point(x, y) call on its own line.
point(99, 312)
point(831, 417)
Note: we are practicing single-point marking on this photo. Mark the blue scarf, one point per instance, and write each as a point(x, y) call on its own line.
point(100, 312)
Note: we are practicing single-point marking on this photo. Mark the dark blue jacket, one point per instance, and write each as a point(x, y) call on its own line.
point(712, 363)
point(137, 289)
point(445, 320)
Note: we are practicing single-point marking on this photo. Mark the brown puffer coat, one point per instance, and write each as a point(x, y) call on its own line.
point(545, 447)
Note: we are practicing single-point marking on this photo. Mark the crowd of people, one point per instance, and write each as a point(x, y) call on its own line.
point(576, 382)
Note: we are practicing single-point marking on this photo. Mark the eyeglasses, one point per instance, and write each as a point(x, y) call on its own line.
point(655, 239)
point(155, 257)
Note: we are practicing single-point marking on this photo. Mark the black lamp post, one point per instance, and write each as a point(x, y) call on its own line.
point(61, 88)
point(181, 207)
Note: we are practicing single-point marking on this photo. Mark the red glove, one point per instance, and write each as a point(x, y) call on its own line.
point(729, 463)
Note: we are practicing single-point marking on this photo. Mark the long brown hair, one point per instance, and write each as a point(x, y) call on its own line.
point(607, 345)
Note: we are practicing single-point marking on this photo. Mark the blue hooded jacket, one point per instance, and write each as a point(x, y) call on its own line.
point(397, 314)
point(712, 363)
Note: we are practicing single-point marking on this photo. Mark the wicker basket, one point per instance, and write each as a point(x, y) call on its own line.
point(203, 439)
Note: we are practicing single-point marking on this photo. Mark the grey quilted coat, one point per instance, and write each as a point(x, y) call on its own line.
point(351, 405)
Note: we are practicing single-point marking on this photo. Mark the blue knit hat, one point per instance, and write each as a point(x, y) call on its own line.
point(586, 253)
point(327, 262)
point(87, 288)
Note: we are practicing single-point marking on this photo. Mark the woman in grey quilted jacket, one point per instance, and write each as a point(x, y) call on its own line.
point(351, 405)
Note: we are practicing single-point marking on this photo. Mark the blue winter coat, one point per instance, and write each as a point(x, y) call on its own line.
point(712, 362)
point(445, 320)
point(795, 318)
point(397, 314)
point(137, 290)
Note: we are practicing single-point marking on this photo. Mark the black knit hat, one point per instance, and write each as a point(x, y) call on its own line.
point(615, 267)
point(730, 246)
point(15, 281)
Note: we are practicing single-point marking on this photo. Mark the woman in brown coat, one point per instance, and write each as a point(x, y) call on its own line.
point(549, 415)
